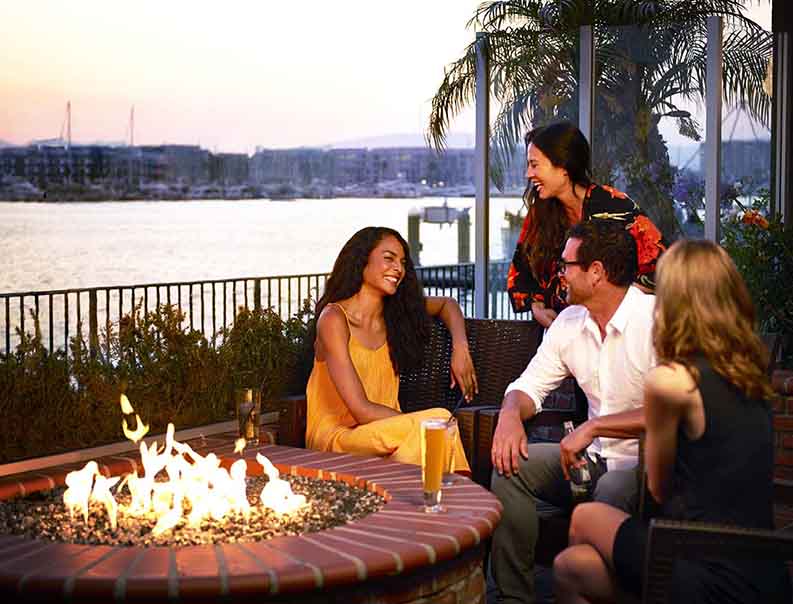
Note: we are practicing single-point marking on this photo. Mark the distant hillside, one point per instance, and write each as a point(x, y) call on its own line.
point(453, 141)
point(5, 143)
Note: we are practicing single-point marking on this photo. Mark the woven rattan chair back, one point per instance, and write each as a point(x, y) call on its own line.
point(670, 540)
point(500, 351)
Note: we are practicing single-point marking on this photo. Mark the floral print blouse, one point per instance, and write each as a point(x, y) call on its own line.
point(600, 202)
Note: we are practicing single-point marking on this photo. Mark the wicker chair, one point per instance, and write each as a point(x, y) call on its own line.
point(500, 351)
point(670, 540)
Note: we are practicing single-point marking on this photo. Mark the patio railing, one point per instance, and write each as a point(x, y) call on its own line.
point(208, 305)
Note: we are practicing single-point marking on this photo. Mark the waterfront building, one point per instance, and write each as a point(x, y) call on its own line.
point(359, 166)
point(228, 168)
point(173, 169)
point(183, 164)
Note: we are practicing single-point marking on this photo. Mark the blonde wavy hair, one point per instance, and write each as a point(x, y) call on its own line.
point(703, 307)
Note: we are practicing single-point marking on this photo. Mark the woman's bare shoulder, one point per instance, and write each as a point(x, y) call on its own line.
point(332, 319)
point(670, 383)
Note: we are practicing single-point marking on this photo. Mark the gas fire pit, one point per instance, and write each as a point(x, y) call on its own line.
point(398, 554)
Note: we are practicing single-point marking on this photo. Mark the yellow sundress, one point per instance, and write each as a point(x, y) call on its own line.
point(331, 427)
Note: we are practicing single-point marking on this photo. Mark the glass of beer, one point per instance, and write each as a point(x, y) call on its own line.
point(451, 442)
point(249, 404)
point(433, 456)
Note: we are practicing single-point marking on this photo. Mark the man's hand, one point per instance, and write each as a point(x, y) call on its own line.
point(572, 447)
point(463, 372)
point(509, 441)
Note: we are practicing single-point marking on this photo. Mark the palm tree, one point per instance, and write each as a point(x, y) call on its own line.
point(650, 56)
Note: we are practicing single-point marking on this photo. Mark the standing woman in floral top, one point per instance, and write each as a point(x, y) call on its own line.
point(560, 194)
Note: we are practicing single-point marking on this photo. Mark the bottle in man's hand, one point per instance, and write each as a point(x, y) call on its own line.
point(580, 478)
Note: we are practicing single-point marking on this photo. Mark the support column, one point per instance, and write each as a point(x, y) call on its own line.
point(586, 82)
point(482, 179)
point(713, 95)
point(782, 120)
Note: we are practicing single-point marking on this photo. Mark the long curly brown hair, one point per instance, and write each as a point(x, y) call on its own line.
point(405, 314)
point(566, 147)
point(704, 308)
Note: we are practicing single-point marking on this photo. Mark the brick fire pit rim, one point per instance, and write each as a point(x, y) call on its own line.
point(398, 539)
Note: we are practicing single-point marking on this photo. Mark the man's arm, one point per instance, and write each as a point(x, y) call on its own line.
point(625, 424)
point(524, 397)
point(509, 439)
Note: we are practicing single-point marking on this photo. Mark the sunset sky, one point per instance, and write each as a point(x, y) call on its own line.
point(266, 73)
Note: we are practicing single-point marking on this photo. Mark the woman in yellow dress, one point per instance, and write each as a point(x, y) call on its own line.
point(372, 322)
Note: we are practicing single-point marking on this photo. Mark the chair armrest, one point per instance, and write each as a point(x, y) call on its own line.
point(477, 425)
point(783, 491)
point(669, 540)
point(291, 419)
point(548, 417)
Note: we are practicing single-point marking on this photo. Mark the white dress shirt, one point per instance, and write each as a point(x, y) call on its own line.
point(610, 371)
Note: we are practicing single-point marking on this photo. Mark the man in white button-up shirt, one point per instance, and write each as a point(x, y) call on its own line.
point(604, 340)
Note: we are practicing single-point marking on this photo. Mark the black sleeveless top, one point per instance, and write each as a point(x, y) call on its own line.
point(726, 476)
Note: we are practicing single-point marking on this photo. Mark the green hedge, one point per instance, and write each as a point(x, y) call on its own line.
point(56, 402)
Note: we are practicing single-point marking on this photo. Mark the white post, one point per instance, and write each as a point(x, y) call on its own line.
point(713, 94)
point(586, 81)
point(482, 179)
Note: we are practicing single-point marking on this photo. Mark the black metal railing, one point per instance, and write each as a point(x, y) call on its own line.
point(208, 305)
point(457, 280)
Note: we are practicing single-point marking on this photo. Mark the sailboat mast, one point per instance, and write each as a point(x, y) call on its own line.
point(68, 124)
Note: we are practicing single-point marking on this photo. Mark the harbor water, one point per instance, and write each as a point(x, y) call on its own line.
point(47, 246)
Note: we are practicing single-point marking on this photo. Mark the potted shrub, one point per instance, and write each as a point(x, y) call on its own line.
point(263, 351)
point(762, 249)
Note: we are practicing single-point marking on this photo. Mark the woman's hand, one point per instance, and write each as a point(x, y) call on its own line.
point(543, 316)
point(463, 372)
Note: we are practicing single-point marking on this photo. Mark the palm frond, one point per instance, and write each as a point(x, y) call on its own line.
point(532, 47)
point(457, 90)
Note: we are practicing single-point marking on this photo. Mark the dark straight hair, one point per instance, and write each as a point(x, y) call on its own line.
point(566, 147)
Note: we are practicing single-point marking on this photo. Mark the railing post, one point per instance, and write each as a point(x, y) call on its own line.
point(463, 237)
point(257, 294)
point(93, 329)
point(414, 236)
